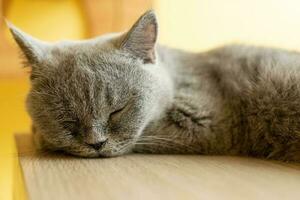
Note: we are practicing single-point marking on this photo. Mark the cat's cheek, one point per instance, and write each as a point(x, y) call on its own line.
point(111, 150)
point(37, 139)
point(111, 154)
point(85, 154)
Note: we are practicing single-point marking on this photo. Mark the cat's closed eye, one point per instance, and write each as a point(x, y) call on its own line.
point(116, 112)
point(75, 132)
point(72, 127)
point(120, 110)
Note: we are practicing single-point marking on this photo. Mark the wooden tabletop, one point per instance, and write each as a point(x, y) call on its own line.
point(56, 176)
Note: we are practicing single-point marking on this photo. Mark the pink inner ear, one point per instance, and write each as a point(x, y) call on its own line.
point(140, 40)
point(150, 33)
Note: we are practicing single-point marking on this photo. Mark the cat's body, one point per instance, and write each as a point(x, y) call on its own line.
point(122, 93)
point(234, 100)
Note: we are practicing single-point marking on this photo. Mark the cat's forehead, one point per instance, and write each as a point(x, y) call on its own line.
point(104, 41)
point(99, 67)
point(91, 55)
point(94, 62)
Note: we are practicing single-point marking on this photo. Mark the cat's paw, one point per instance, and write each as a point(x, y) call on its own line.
point(186, 114)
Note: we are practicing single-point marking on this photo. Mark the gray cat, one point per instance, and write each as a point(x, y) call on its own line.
point(122, 93)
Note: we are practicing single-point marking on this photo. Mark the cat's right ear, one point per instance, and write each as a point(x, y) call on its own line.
point(33, 49)
point(140, 40)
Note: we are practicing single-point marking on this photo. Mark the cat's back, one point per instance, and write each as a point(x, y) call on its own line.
point(242, 66)
point(252, 94)
point(245, 56)
point(262, 86)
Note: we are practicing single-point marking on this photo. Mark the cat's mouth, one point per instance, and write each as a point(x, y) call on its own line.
point(85, 154)
point(92, 153)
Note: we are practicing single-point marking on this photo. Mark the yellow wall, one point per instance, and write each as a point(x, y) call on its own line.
point(45, 19)
point(48, 19)
point(203, 24)
point(13, 119)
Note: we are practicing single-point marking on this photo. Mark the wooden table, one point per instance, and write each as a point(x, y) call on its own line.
point(50, 176)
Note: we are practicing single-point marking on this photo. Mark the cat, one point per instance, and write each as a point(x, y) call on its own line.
point(122, 93)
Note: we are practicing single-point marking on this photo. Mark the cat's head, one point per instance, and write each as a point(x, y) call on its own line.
point(94, 98)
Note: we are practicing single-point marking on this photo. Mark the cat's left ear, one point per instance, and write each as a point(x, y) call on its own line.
point(141, 38)
point(33, 49)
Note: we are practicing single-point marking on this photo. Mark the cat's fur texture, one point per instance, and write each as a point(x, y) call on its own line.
point(122, 93)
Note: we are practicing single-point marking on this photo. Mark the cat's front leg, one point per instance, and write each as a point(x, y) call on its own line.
point(185, 128)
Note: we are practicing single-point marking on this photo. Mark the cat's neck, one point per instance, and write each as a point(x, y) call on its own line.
point(164, 87)
point(174, 60)
point(168, 65)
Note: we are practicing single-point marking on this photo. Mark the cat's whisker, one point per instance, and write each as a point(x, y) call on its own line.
point(121, 149)
point(127, 143)
point(163, 141)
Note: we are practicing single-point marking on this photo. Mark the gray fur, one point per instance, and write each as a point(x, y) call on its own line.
point(233, 100)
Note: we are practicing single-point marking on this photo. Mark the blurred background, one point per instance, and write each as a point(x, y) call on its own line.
point(194, 25)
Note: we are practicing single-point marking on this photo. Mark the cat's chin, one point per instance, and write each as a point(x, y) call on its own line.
point(82, 154)
point(95, 154)
point(110, 154)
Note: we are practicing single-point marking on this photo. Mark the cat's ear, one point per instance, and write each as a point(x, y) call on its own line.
point(33, 49)
point(141, 38)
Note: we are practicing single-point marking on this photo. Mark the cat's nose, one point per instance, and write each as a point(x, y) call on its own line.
point(98, 145)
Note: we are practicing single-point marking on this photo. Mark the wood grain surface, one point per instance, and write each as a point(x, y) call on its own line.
point(57, 176)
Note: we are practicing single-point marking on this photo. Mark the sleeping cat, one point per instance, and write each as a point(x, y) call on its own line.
point(122, 93)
